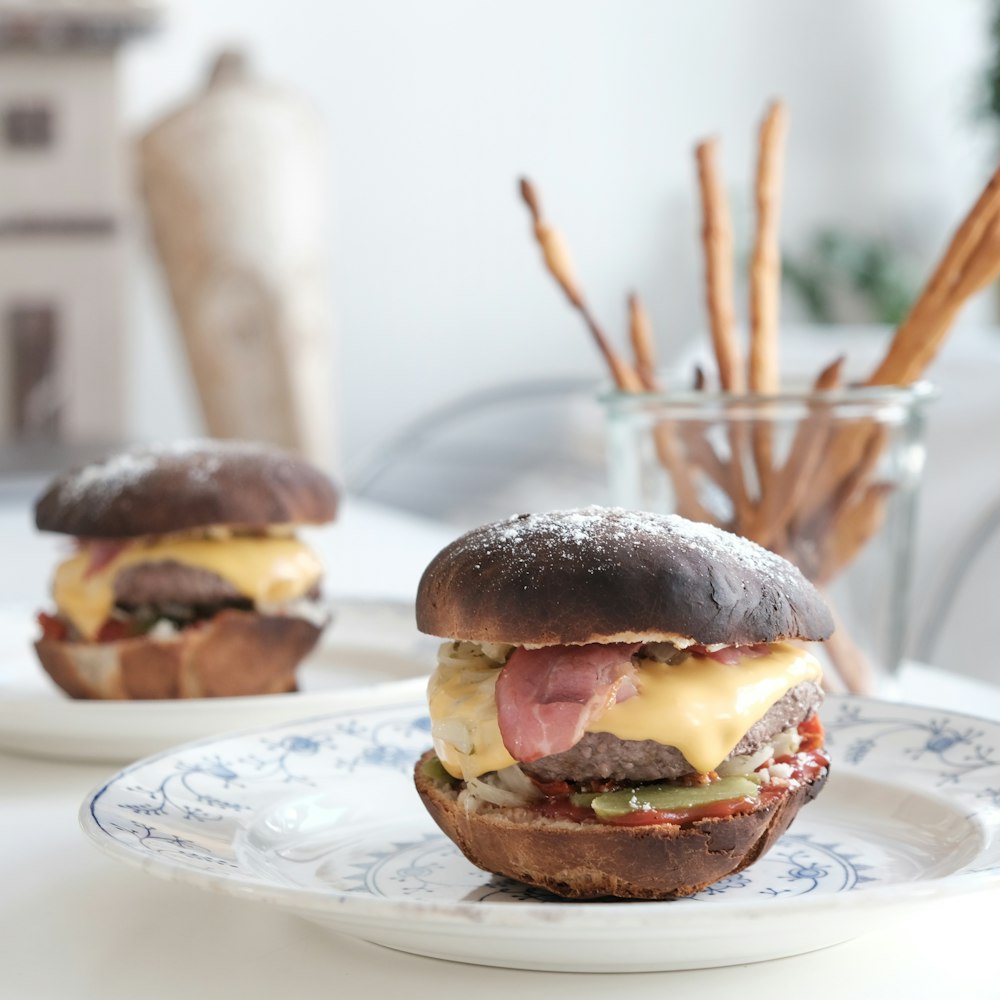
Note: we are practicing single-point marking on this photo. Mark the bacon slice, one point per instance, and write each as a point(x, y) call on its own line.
point(546, 697)
point(101, 553)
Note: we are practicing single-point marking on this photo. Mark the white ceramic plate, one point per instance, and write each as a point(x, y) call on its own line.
point(370, 643)
point(320, 818)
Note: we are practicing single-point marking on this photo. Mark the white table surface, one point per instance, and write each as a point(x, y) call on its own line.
point(76, 924)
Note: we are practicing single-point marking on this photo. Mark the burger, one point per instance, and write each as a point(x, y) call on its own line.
point(186, 579)
point(623, 706)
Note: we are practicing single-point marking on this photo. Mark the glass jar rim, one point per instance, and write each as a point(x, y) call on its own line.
point(917, 393)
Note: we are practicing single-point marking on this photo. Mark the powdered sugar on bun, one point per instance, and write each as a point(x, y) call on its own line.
point(182, 485)
point(600, 574)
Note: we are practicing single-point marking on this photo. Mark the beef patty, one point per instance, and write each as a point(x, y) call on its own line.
point(155, 584)
point(167, 581)
point(601, 756)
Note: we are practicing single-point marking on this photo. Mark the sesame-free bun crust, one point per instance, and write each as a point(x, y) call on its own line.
point(602, 574)
point(234, 653)
point(594, 860)
point(186, 485)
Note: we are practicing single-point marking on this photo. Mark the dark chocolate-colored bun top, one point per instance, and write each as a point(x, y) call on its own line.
point(603, 574)
point(185, 485)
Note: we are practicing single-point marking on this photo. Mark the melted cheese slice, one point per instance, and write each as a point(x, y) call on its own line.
point(699, 705)
point(463, 709)
point(265, 570)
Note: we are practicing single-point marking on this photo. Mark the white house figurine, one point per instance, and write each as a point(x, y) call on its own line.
point(64, 195)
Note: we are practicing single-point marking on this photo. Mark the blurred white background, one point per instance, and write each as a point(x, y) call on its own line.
point(432, 111)
point(435, 108)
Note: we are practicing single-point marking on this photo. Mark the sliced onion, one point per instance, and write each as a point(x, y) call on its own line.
point(787, 743)
point(662, 652)
point(498, 652)
point(453, 732)
point(163, 629)
point(784, 744)
point(509, 788)
point(315, 612)
point(745, 763)
point(515, 780)
point(479, 789)
point(476, 655)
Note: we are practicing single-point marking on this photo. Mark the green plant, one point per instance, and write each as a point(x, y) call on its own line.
point(990, 105)
point(843, 276)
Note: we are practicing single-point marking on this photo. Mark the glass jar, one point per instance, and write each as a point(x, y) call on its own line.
point(828, 479)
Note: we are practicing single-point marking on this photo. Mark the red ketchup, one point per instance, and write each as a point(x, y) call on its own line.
point(807, 764)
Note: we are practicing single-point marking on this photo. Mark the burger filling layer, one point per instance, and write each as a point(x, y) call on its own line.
point(609, 730)
point(111, 590)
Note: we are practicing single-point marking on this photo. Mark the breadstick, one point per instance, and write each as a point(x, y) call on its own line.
point(717, 238)
point(781, 503)
point(852, 528)
point(765, 286)
point(558, 262)
point(641, 335)
point(765, 264)
point(847, 659)
point(554, 251)
point(970, 262)
point(826, 531)
point(681, 471)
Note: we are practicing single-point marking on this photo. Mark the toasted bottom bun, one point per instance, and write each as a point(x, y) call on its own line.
point(234, 653)
point(593, 860)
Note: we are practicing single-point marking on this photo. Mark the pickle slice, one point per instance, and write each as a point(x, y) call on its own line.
point(434, 770)
point(668, 798)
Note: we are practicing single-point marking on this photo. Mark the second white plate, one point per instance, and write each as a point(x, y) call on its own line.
point(370, 643)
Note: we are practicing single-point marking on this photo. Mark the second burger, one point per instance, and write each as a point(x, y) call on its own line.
point(187, 578)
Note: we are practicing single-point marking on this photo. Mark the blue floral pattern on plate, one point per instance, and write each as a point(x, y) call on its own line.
point(320, 816)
